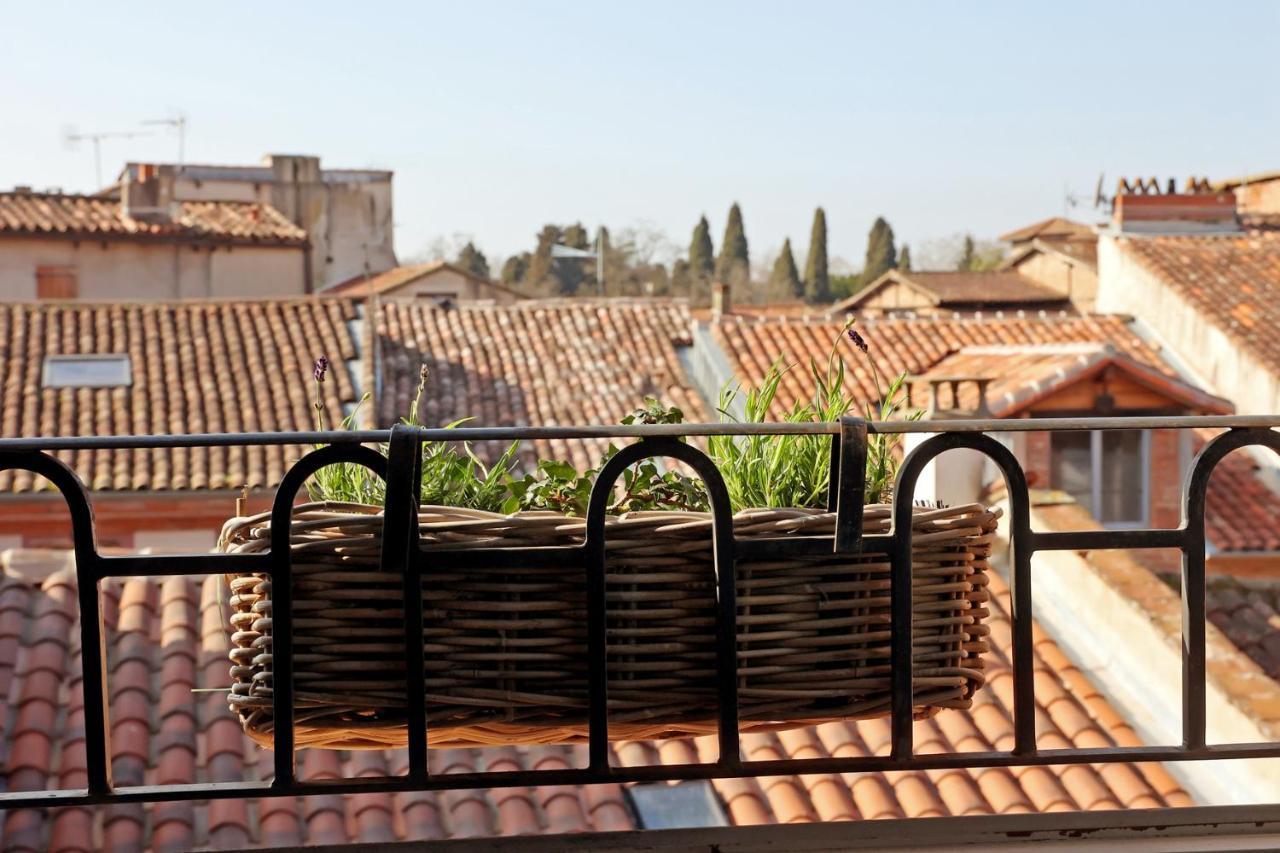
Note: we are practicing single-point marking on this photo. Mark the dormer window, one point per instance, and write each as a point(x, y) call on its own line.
point(1105, 471)
point(107, 370)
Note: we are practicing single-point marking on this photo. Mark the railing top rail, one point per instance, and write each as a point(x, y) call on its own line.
point(511, 433)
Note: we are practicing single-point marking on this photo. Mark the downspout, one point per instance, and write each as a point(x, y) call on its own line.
point(307, 287)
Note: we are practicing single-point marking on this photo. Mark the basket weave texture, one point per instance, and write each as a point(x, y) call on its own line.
point(506, 651)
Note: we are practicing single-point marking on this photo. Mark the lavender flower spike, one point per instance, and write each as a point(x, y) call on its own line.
point(858, 340)
point(322, 367)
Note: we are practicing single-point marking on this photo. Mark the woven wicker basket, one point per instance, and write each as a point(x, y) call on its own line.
point(506, 659)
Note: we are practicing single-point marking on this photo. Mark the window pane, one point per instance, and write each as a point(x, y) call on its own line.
point(1070, 465)
point(1122, 489)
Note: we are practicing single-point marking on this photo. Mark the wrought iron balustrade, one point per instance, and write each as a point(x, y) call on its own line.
point(401, 554)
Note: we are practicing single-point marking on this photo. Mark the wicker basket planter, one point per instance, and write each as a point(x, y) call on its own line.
point(505, 648)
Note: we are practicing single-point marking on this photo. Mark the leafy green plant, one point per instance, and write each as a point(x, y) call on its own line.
point(559, 487)
point(759, 471)
point(793, 470)
point(452, 474)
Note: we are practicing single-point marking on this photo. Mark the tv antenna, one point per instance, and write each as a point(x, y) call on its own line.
point(71, 137)
point(1099, 199)
point(178, 121)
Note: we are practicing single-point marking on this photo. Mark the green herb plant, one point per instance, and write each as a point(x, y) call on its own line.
point(794, 470)
point(759, 471)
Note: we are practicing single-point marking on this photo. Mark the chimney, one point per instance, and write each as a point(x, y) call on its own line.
point(720, 302)
point(1141, 208)
point(148, 195)
point(22, 189)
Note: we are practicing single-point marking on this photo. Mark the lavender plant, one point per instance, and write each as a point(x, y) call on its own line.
point(759, 471)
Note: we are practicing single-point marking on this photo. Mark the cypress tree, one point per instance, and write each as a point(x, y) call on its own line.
point(904, 258)
point(701, 252)
point(734, 266)
point(473, 260)
point(784, 282)
point(881, 255)
point(969, 255)
point(817, 283)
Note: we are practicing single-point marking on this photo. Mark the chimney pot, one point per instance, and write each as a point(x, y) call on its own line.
point(720, 300)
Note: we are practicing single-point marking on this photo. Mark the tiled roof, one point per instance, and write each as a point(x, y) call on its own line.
point(391, 279)
point(911, 345)
point(1233, 281)
point(1084, 252)
point(196, 367)
point(1242, 511)
point(540, 363)
point(166, 650)
point(961, 289)
point(1250, 617)
point(51, 214)
point(1055, 227)
point(1022, 374)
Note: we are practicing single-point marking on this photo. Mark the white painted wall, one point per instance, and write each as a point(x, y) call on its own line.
point(1127, 287)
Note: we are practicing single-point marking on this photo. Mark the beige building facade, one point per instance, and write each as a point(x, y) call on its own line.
point(346, 213)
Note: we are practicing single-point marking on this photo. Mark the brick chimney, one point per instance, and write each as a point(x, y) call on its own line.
point(1140, 207)
point(721, 304)
point(147, 194)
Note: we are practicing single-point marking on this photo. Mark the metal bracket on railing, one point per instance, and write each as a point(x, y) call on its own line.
point(847, 483)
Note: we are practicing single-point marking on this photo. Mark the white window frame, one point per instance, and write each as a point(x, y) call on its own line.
point(1144, 480)
point(118, 360)
point(1095, 480)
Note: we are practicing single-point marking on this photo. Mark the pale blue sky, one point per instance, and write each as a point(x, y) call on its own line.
point(498, 117)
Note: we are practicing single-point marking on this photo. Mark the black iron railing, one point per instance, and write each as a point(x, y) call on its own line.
point(401, 553)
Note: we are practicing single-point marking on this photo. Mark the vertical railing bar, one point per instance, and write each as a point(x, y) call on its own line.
point(401, 555)
point(1020, 607)
point(282, 643)
point(833, 474)
point(89, 566)
point(725, 561)
point(281, 571)
point(1195, 490)
point(849, 483)
point(593, 559)
point(901, 683)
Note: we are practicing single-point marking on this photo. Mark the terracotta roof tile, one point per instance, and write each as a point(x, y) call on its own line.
point(962, 290)
point(59, 215)
point(1232, 281)
point(540, 362)
point(187, 362)
point(177, 738)
point(1056, 227)
point(1241, 509)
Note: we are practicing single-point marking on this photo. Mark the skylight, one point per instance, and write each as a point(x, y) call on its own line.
point(107, 370)
point(681, 806)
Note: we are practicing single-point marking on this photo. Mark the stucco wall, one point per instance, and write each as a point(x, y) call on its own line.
point(1262, 197)
point(1218, 362)
point(894, 296)
point(448, 283)
point(124, 270)
point(347, 215)
point(1077, 282)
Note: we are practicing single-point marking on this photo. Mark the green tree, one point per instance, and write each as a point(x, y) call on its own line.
point(516, 268)
point(817, 282)
point(784, 281)
point(904, 258)
point(701, 253)
point(734, 265)
point(881, 255)
point(473, 260)
point(968, 255)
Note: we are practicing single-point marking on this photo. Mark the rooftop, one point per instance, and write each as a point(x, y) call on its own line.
point(955, 290)
point(89, 217)
point(1231, 280)
point(167, 641)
